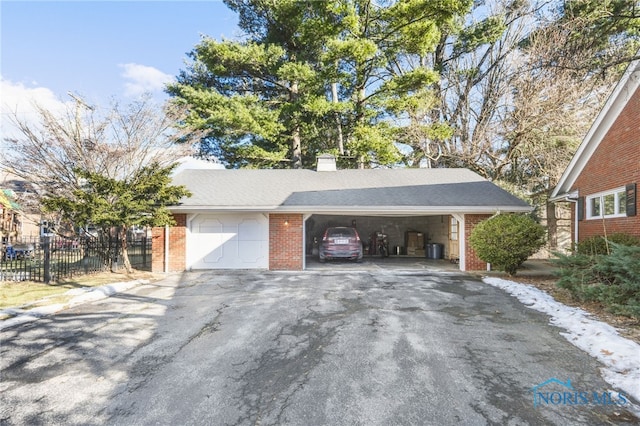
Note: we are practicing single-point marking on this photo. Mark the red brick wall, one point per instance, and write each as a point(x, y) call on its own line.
point(177, 246)
point(285, 242)
point(615, 163)
point(471, 260)
point(620, 225)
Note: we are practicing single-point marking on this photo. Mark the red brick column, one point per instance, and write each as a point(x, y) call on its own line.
point(177, 246)
point(285, 242)
point(157, 249)
point(472, 261)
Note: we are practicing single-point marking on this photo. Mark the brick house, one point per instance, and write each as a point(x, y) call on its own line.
point(9, 217)
point(271, 219)
point(601, 180)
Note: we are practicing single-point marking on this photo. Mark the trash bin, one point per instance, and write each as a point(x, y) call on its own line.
point(434, 250)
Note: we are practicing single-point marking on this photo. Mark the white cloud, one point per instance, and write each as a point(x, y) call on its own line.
point(143, 79)
point(20, 100)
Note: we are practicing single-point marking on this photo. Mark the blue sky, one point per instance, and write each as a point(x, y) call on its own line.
point(100, 50)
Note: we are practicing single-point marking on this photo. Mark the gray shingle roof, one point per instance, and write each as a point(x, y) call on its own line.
point(379, 190)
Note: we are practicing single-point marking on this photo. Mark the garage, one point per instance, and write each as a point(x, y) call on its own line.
point(228, 241)
point(272, 218)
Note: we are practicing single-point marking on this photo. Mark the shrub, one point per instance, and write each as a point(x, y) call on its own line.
point(613, 280)
point(598, 245)
point(507, 240)
point(576, 274)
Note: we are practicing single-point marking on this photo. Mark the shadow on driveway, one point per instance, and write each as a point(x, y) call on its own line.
point(382, 346)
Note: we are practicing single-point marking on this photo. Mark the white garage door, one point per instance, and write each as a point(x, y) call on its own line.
point(238, 241)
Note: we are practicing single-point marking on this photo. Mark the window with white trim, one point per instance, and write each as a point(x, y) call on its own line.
point(454, 229)
point(607, 204)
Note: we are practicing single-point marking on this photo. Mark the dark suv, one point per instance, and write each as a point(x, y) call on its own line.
point(340, 242)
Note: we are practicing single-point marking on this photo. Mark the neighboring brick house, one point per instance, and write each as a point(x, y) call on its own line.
point(269, 219)
point(601, 180)
point(9, 217)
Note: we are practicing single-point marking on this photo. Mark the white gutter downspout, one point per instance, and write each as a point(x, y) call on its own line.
point(166, 249)
point(304, 240)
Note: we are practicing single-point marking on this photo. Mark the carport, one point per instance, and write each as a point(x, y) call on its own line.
point(268, 219)
point(406, 235)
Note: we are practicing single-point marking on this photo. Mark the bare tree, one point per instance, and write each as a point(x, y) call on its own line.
point(478, 66)
point(115, 143)
point(502, 76)
point(552, 109)
point(518, 109)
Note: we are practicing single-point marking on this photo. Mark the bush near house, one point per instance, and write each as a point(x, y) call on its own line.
point(507, 240)
point(601, 245)
point(613, 280)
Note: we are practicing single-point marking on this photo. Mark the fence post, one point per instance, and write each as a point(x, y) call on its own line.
point(46, 245)
point(85, 253)
point(144, 252)
point(116, 251)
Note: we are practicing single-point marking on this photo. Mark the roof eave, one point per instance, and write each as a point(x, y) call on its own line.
point(221, 209)
point(403, 210)
point(565, 196)
point(356, 210)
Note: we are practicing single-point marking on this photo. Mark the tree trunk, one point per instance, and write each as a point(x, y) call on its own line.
point(334, 94)
point(125, 253)
point(296, 150)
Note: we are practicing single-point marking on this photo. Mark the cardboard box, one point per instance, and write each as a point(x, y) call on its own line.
point(413, 251)
point(414, 240)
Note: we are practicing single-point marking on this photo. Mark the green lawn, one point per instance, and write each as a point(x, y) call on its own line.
point(29, 294)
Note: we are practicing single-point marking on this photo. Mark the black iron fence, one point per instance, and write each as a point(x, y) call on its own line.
point(51, 258)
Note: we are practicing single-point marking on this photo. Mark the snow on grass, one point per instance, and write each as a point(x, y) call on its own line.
point(620, 356)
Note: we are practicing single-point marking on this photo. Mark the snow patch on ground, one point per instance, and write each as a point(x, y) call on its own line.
point(620, 356)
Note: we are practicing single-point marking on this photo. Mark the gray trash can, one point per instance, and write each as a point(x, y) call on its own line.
point(434, 250)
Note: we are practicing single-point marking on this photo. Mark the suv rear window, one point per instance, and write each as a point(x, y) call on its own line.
point(341, 232)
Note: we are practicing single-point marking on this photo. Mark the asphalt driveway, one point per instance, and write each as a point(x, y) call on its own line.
point(324, 347)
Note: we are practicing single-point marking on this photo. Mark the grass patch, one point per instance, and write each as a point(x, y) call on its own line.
point(29, 294)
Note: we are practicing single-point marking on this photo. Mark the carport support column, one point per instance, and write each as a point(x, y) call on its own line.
point(286, 242)
point(462, 241)
point(304, 240)
point(471, 260)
